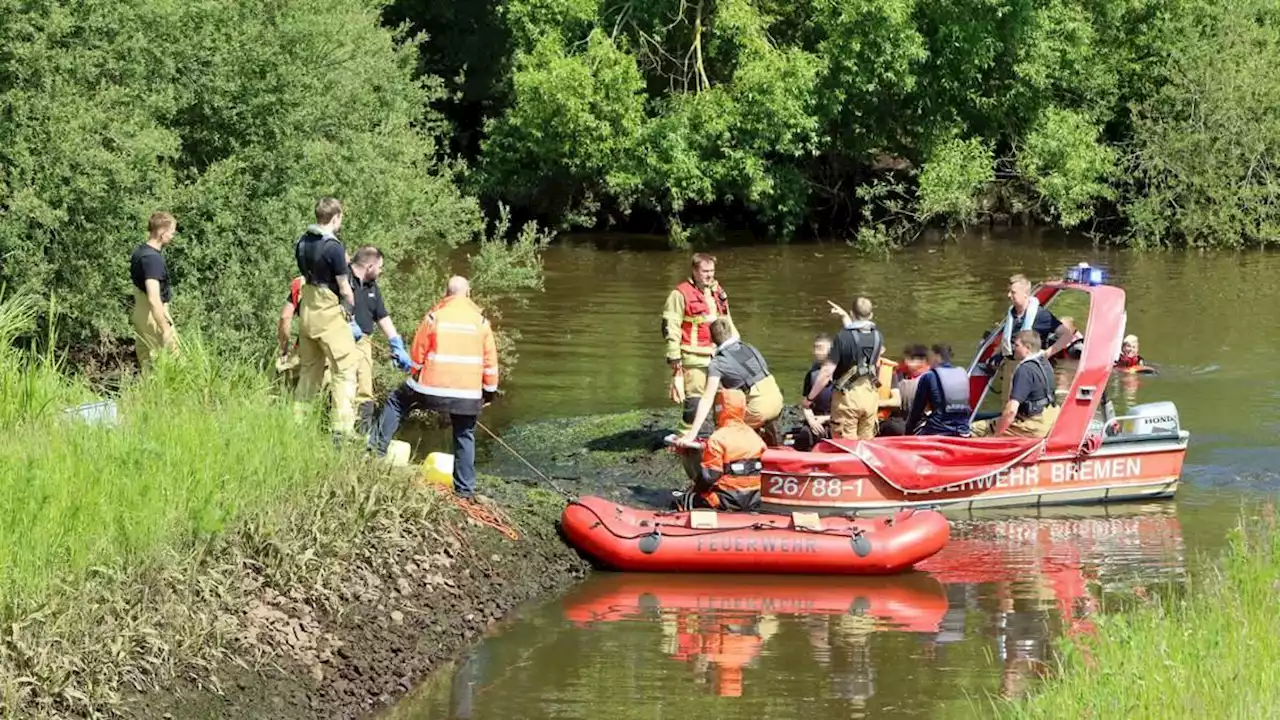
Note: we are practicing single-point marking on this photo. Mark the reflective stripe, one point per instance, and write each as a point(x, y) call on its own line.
point(445, 392)
point(469, 328)
point(456, 359)
point(491, 371)
point(695, 318)
point(490, 388)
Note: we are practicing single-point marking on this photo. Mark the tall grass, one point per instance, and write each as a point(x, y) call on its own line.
point(199, 443)
point(1213, 654)
point(31, 383)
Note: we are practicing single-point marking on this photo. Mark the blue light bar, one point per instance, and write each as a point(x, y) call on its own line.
point(1084, 274)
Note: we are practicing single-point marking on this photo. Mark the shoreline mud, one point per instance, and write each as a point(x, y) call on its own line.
point(417, 592)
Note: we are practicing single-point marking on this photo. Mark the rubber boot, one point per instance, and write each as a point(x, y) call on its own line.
point(688, 412)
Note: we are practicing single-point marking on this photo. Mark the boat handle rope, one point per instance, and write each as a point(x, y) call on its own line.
point(657, 528)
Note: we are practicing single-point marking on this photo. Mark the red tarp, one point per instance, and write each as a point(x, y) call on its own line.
point(910, 464)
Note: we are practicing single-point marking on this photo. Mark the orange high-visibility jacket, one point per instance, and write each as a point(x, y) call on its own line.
point(731, 456)
point(455, 346)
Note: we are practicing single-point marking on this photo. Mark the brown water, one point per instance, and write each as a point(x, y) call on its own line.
point(982, 619)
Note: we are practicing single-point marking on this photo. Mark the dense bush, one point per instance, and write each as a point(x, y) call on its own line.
point(233, 116)
point(779, 116)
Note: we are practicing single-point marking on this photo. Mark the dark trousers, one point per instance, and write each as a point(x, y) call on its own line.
point(405, 400)
point(892, 426)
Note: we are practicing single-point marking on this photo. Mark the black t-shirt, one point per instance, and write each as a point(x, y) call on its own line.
point(369, 305)
point(842, 353)
point(1030, 379)
point(329, 266)
point(822, 404)
point(146, 263)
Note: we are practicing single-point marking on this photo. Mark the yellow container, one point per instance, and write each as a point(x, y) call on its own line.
point(438, 468)
point(398, 453)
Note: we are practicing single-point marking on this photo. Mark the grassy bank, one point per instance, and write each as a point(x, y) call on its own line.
point(1214, 653)
point(206, 529)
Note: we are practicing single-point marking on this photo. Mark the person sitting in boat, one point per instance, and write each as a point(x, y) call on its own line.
point(906, 378)
point(1129, 357)
point(728, 474)
point(941, 398)
point(1032, 407)
point(737, 365)
point(1076, 346)
point(817, 418)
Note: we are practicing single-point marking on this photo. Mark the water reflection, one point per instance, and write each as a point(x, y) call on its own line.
point(979, 618)
point(1040, 570)
point(719, 625)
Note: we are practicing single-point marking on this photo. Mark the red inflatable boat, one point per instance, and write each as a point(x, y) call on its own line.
point(628, 539)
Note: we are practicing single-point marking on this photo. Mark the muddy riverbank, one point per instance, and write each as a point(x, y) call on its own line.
point(416, 591)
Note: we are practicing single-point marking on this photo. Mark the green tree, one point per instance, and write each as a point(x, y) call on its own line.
point(1068, 166)
point(780, 115)
point(569, 139)
point(1207, 143)
point(235, 117)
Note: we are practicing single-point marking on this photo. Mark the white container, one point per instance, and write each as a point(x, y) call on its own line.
point(398, 453)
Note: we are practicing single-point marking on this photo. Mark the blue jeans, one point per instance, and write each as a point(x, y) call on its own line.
point(405, 399)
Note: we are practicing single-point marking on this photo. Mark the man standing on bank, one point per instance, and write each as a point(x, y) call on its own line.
point(455, 349)
point(366, 268)
point(686, 327)
point(328, 330)
point(853, 363)
point(152, 322)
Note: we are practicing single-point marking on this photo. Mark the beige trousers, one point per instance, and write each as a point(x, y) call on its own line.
point(325, 339)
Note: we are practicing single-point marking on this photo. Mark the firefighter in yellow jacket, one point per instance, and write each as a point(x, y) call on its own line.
point(728, 474)
point(686, 327)
point(457, 363)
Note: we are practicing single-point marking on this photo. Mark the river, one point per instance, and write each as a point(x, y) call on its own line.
point(981, 620)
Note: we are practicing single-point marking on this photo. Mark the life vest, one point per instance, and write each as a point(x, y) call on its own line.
point(1041, 397)
point(309, 254)
point(744, 361)
point(954, 383)
point(950, 407)
point(731, 458)
point(1028, 323)
point(885, 370)
point(695, 327)
point(455, 346)
point(1130, 361)
point(867, 342)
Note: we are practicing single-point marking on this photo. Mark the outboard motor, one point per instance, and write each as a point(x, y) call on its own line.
point(1149, 419)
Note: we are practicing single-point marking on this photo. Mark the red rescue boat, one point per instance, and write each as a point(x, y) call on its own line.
point(911, 602)
point(1090, 454)
point(705, 541)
